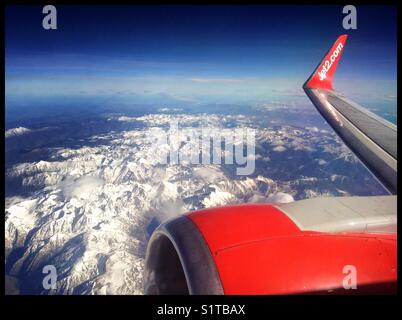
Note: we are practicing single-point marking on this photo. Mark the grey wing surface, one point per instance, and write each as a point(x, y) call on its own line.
point(370, 137)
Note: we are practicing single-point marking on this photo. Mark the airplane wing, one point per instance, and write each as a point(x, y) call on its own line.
point(306, 246)
point(371, 138)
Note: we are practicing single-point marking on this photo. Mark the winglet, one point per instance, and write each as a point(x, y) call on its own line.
point(323, 74)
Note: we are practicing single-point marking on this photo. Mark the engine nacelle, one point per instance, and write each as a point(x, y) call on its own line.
point(261, 249)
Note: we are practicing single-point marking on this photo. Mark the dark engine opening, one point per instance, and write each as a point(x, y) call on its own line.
point(164, 271)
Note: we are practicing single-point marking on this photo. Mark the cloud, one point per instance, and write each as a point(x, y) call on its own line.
point(170, 109)
point(216, 80)
point(280, 197)
point(279, 149)
point(391, 97)
point(17, 132)
point(81, 188)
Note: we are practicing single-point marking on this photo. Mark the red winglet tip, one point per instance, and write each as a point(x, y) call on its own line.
point(322, 76)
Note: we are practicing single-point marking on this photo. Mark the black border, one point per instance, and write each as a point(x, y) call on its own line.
point(145, 307)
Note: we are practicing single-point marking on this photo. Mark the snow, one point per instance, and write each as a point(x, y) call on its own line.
point(209, 173)
point(219, 198)
point(92, 204)
point(21, 212)
point(322, 162)
point(81, 188)
point(16, 132)
point(279, 149)
point(280, 197)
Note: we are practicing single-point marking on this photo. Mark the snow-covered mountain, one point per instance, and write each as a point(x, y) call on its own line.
point(88, 209)
point(16, 132)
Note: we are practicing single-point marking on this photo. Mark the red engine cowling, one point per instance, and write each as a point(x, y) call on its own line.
point(258, 249)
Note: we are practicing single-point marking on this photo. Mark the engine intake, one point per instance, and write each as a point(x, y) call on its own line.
point(178, 261)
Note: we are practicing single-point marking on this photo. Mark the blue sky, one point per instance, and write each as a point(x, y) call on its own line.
point(196, 53)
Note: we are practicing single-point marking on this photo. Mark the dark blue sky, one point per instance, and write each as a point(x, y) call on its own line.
point(192, 51)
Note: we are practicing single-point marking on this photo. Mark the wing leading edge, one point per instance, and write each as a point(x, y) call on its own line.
point(371, 138)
